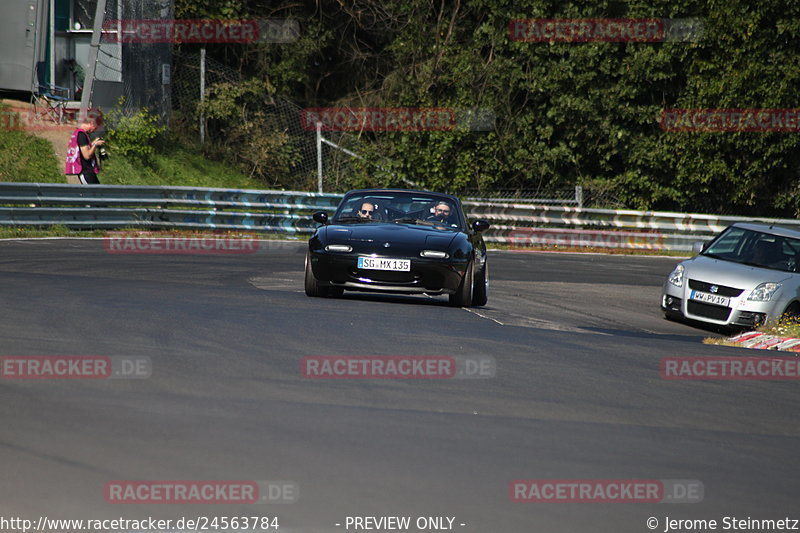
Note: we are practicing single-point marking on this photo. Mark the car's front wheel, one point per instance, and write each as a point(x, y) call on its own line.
point(463, 296)
point(480, 292)
point(311, 285)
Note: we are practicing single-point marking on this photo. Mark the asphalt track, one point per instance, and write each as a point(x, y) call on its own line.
point(577, 394)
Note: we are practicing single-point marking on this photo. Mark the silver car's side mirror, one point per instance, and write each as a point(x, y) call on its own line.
point(698, 247)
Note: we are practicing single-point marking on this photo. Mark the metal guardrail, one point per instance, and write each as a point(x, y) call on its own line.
point(526, 225)
point(116, 206)
point(527, 215)
point(516, 224)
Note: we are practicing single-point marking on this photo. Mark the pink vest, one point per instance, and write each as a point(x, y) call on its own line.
point(73, 164)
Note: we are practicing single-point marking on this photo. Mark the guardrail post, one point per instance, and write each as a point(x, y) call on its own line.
point(202, 94)
point(94, 46)
point(319, 157)
point(579, 195)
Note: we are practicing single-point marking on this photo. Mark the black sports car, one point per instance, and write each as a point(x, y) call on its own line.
point(401, 241)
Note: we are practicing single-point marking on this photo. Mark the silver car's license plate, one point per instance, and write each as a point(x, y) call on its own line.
point(715, 299)
point(377, 263)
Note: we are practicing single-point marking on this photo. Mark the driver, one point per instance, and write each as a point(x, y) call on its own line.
point(767, 253)
point(441, 212)
point(368, 210)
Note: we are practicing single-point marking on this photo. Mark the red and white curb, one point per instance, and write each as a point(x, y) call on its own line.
point(762, 341)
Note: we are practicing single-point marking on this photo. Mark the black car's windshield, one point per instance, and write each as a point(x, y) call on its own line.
point(347, 219)
point(399, 207)
point(756, 248)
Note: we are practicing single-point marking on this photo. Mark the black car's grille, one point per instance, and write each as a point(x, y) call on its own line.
point(385, 276)
point(713, 312)
point(722, 290)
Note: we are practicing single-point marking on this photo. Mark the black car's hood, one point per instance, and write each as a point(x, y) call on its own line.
point(393, 233)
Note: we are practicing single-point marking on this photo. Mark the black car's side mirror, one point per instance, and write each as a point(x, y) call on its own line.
point(480, 225)
point(321, 217)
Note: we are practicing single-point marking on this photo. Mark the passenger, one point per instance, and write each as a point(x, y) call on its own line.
point(441, 213)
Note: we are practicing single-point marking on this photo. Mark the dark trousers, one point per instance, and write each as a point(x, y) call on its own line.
point(88, 178)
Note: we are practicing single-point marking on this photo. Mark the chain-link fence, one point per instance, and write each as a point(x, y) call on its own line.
point(272, 143)
point(131, 72)
point(294, 159)
point(578, 196)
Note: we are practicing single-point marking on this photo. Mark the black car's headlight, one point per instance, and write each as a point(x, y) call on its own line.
point(434, 254)
point(338, 248)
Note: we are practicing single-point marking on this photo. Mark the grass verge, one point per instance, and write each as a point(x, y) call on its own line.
point(785, 327)
point(63, 231)
point(588, 249)
point(175, 165)
point(25, 157)
point(721, 342)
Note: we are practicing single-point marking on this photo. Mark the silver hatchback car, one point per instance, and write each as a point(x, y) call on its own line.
point(746, 276)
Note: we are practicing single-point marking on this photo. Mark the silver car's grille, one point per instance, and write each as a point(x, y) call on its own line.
point(722, 290)
point(713, 312)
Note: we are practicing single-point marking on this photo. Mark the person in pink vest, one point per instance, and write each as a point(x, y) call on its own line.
point(81, 157)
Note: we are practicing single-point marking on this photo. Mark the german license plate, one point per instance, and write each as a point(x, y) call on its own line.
point(715, 299)
point(377, 263)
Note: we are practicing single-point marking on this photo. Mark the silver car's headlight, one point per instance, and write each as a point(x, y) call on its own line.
point(764, 292)
point(676, 277)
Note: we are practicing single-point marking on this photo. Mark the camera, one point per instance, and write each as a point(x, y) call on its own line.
point(102, 152)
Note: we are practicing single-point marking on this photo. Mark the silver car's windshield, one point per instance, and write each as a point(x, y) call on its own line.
point(755, 248)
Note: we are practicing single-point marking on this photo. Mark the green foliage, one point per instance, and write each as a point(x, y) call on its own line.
point(208, 9)
point(27, 158)
point(133, 135)
point(24, 157)
point(247, 133)
point(566, 113)
point(175, 164)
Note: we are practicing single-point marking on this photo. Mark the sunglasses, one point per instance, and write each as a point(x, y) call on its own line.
point(365, 212)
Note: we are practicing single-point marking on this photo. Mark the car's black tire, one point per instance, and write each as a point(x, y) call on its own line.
point(480, 290)
point(463, 296)
point(792, 313)
point(311, 285)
